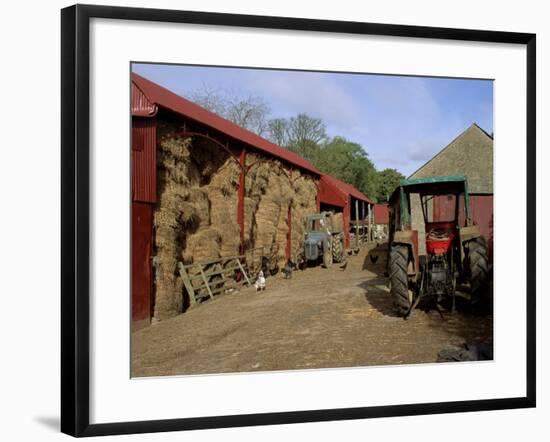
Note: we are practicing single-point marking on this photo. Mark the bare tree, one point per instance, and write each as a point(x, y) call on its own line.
point(250, 112)
point(277, 131)
point(211, 99)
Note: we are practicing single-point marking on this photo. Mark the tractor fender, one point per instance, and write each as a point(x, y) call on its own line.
point(410, 239)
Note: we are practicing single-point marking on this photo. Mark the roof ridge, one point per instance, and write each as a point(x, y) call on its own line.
point(217, 122)
point(473, 125)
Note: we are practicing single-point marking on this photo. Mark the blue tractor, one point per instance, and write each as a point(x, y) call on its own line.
point(323, 241)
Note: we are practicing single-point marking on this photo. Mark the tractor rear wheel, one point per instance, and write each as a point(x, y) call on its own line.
point(337, 249)
point(399, 281)
point(327, 258)
point(479, 271)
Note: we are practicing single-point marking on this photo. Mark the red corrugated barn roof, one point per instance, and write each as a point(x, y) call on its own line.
point(381, 214)
point(333, 190)
point(164, 98)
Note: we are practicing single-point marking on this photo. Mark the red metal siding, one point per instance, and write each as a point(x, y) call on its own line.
point(144, 160)
point(142, 274)
point(333, 189)
point(381, 214)
point(141, 106)
point(328, 194)
point(481, 208)
point(481, 213)
point(168, 100)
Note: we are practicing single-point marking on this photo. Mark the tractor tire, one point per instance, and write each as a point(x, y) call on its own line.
point(479, 271)
point(327, 259)
point(337, 250)
point(399, 281)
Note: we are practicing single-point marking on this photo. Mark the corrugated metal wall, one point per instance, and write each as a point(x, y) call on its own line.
point(481, 213)
point(144, 160)
point(142, 269)
point(141, 105)
point(381, 214)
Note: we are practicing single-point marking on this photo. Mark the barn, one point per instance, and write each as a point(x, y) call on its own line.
point(355, 207)
point(470, 154)
point(204, 188)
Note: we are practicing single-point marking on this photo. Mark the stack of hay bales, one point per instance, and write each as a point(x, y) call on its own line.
point(196, 214)
point(222, 194)
point(194, 217)
point(174, 178)
point(270, 188)
point(338, 221)
point(303, 204)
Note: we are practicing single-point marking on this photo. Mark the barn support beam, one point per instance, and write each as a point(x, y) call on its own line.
point(370, 215)
point(318, 200)
point(357, 241)
point(240, 199)
point(363, 221)
point(289, 234)
point(346, 219)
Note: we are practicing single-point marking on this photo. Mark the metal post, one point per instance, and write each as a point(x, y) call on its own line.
point(289, 234)
point(346, 217)
point(363, 217)
point(357, 223)
point(240, 201)
point(369, 216)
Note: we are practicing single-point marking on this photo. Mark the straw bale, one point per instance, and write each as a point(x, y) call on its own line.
point(196, 214)
point(198, 197)
point(204, 245)
point(250, 207)
point(338, 222)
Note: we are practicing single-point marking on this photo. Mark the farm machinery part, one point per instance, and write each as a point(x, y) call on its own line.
point(454, 251)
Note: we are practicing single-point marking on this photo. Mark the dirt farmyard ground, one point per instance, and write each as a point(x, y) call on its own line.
point(320, 318)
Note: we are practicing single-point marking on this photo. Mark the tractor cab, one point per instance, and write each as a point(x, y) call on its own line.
point(430, 250)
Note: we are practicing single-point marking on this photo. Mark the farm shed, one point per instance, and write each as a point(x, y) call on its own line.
point(205, 188)
point(381, 220)
point(470, 154)
point(356, 208)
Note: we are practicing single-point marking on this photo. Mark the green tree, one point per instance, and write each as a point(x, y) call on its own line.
point(388, 180)
point(348, 162)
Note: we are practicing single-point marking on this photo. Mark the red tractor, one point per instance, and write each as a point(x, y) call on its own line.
point(453, 250)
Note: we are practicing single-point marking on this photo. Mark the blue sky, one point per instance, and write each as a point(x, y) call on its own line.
point(400, 121)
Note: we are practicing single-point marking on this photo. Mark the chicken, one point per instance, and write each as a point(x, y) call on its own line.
point(260, 282)
point(290, 266)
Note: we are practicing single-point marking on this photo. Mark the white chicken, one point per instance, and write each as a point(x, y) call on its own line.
point(260, 282)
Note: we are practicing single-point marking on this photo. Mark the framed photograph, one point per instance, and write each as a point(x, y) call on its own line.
point(271, 220)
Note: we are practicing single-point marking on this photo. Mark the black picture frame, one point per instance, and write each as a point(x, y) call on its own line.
point(75, 225)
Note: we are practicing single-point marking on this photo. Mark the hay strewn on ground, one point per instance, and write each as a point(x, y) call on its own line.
point(196, 215)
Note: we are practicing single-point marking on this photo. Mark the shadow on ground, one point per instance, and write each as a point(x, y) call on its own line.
point(378, 295)
point(375, 259)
